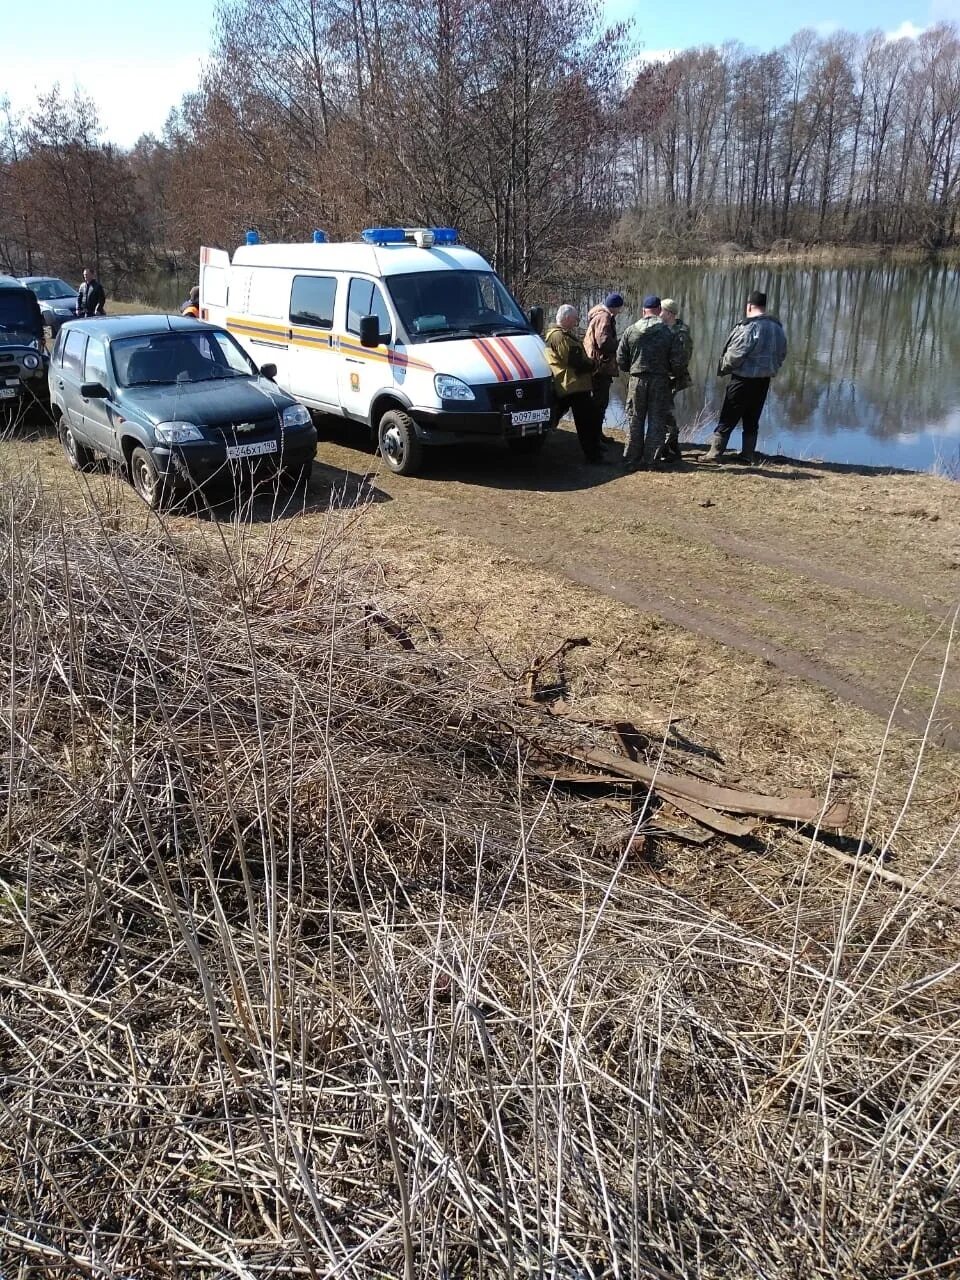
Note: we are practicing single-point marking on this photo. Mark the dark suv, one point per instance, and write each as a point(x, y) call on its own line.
point(23, 357)
point(177, 403)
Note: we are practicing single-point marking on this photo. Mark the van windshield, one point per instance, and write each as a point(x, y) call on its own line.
point(438, 305)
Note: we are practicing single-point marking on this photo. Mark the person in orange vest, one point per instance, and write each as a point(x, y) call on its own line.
point(192, 306)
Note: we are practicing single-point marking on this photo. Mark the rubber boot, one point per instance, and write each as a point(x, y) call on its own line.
point(715, 452)
point(748, 449)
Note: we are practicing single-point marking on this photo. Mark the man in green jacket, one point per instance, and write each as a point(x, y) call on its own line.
point(652, 354)
point(572, 372)
point(670, 315)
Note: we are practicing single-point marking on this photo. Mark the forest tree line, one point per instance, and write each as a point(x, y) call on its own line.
point(533, 127)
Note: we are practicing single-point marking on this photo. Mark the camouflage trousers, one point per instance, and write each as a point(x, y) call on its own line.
point(649, 408)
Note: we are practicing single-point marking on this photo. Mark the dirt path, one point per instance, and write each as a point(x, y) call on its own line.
point(835, 576)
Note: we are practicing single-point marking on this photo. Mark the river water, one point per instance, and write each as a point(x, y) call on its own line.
point(873, 370)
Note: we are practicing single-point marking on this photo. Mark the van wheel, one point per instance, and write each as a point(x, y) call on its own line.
point(523, 446)
point(147, 481)
point(78, 455)
point(400, 448)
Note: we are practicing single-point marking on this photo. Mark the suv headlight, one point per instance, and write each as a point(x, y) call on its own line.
point(449, 388)
point(296, 415)
point(30, 361)
point(177, 432)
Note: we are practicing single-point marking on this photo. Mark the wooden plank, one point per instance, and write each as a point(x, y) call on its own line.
point(788, 808)
point(711, 818)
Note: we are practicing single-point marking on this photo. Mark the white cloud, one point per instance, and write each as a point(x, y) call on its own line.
point(132, 96)
point(906, 31)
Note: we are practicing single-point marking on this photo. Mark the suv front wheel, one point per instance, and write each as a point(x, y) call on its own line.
point(78, 455)
point(147, 480)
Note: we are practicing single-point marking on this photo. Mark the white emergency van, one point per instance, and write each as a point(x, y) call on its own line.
point(405, 330)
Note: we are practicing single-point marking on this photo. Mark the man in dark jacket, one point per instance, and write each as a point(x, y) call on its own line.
point(753, 353)
point(652, 354)
point(600, 344)
point(91, 299)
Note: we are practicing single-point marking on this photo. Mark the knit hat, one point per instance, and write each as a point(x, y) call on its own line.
point(651, 302)
point(757, 298)
point(669, 304)
point(613, 300)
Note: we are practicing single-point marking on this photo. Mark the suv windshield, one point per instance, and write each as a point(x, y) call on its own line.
point(46, 290)
point(155, 358)
point(434, 305)
point(20, 319)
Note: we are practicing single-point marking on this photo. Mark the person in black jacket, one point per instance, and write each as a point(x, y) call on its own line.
point(91, 299)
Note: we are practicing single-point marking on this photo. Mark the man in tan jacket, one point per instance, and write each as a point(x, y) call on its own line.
point(572, 372)
point(600, 344)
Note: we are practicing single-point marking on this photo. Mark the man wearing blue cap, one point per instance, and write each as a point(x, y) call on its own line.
point(652, 354)
point(600, 344)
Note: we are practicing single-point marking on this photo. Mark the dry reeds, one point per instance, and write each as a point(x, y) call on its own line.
point(301, 977)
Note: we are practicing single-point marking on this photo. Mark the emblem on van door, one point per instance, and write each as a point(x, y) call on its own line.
point(519, 393)
point(354, 382)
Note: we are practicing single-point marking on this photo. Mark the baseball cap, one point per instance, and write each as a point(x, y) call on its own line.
point(651, 301)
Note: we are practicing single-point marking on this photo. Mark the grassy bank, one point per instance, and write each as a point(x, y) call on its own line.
point(306, 969)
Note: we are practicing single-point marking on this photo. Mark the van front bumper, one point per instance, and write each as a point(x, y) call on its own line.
point(441, 426)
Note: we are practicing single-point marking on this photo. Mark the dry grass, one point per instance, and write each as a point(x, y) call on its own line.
point(302, 975)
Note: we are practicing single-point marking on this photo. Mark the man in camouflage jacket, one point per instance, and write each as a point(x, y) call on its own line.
point(670, 315)
point(651, 354)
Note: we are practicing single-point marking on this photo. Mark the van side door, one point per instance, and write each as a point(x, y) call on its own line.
point(313, 358)
point(363, 371)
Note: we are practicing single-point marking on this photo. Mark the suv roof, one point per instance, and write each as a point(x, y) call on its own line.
point(8, 282)
point(109, 327)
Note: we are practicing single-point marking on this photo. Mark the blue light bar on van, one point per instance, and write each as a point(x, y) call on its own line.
point(252, 238)
point(445, 235)
point(320, 237)
point(383, 235)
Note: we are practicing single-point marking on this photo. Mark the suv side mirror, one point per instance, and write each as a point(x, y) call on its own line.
point(370, 331)
point(268, 371)
point(93, 391)
point(536, 320)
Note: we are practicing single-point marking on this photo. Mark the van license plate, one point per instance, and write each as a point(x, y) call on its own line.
point(7, 393)
point(251, 450)
point(529, 415)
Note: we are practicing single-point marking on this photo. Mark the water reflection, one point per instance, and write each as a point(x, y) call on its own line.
point(873, 373)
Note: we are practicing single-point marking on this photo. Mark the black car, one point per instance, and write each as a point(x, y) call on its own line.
point(23, 357)
point(177, 403)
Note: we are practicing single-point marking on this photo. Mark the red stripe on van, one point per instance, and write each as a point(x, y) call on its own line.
point(493, 360)
point(518, 360)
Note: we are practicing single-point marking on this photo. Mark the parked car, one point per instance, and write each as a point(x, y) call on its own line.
point(176, 402)
point(58, 300)
point(23, 356)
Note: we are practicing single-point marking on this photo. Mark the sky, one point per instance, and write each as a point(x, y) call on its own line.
point(136, 58)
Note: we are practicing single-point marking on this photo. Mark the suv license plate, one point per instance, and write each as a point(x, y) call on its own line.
point(526, 416)
point(7, 393)
point(251, 450)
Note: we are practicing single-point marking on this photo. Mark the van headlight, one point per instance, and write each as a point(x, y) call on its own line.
point(177, 432)
point(449, 388)
point(30, 361)
point(296, 415)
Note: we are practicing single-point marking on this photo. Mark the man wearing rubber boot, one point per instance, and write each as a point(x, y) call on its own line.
point(652, 355)
point(754, 351)
point(670, 315)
